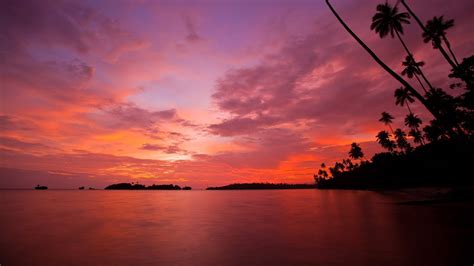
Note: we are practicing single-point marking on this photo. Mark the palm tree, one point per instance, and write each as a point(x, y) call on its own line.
point(417, 136)
point(436, 32)
point(348, 164)
point(389, 20)
point(322, 173)
point(440, 99)
point(435, 131)
point(439, 47)
point(402, 142)
point(465, 72)
point(412, 90)
point(387, 120)
point(383, 138)
point(402, 97)
point(413, 122)
point(446, 106)
point(356, 152)
point(411, 70)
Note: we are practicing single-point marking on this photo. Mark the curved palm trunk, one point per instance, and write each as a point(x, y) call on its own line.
point(383, 65)
point(440, 48)
point(391, 129)
point(421, 83)
point(448, 44)
point(408, 106)
point(411, 56)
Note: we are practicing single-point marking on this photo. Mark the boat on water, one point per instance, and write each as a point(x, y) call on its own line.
point(38, 187)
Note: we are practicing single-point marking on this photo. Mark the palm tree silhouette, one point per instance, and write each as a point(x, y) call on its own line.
point(348, 164)
point(412, 90)
point(413, 122)
point(402, 97)
point(383, 138)
point(412, 70)
point(356, 152)
point(387, 120)
point(440, 99)
point(402, 142)
point(447, 106)
point(436, 32)
point(439, 47)
point(389, 20)
point(434, 132)
point(465, 72)
point(417, 136)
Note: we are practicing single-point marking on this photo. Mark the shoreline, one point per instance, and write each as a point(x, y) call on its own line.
point(429, 195)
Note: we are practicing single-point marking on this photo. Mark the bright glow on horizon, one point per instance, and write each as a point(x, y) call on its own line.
point(198, 94)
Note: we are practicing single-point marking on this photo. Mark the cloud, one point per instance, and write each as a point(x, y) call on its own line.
point(191, 29)
point(129, 115)
point(32, 24)
point(171, 149)
point(44, 21)
point(299, 84)
point(265, 149)
point(24, 146)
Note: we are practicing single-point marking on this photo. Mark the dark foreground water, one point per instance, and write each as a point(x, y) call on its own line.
point(297, 227)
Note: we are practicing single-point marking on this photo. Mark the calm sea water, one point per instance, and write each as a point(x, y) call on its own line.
point(285, 227)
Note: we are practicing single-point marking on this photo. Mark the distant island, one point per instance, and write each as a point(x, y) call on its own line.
point(136, 186)
point(250, 186)
point(38, 187)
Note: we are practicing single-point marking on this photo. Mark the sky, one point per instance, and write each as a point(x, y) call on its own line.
point(199, 93)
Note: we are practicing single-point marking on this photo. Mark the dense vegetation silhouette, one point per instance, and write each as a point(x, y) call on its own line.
point(439, 153)
point(136, 186)
point(250, 186)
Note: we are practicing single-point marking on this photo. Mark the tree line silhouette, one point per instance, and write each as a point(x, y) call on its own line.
point(258, 186)
point(450, 132)
point(137, 186)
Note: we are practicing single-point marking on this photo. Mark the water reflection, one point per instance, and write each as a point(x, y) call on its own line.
point(297, 227)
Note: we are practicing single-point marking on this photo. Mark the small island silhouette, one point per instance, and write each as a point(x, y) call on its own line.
point(249, 186)
point(38, 187)
point(136, 186)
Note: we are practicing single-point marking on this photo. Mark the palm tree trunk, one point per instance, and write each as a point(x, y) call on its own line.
point(383, 65)
point(391, 129)
point(422, 86)
point(440, 48)
point(411, 57)
point(422, 140)
point(408, 106)
point(417, 129)
point(445, 39)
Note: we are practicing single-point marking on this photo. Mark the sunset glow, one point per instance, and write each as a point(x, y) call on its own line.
point(198, 93)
